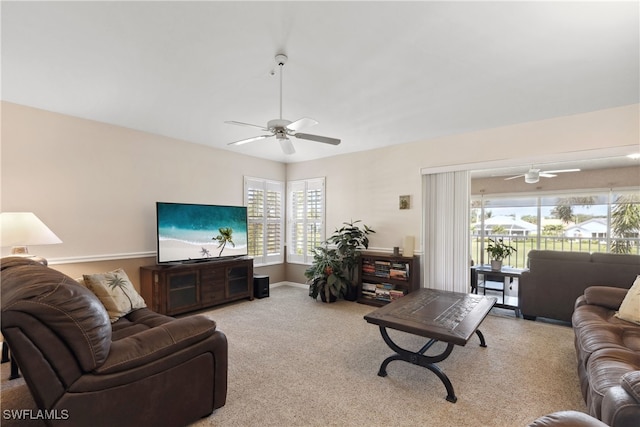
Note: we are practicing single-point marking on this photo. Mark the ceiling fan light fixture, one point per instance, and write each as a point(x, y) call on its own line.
point(531, 177)
point(280, 133)
point(286, 145)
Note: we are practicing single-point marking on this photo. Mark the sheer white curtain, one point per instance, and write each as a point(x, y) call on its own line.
point(446, 230)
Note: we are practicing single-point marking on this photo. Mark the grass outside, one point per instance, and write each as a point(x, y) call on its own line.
point(524, 245)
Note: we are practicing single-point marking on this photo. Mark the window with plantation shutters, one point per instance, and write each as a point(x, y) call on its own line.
point(265, 211)
point(305, 225)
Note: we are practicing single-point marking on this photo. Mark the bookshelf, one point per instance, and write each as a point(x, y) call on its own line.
point(384, 278)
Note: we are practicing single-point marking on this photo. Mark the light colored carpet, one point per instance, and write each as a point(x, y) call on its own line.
point(294, 361)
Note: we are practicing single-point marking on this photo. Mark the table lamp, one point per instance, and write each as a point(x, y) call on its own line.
point(22, 229)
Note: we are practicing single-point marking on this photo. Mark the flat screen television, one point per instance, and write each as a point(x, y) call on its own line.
point(196, 232)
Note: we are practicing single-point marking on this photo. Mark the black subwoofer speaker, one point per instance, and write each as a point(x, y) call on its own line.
point(260, 286)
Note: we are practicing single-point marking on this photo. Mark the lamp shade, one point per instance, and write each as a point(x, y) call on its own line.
point(24, 229)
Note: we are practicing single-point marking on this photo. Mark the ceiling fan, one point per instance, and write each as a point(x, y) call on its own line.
point(281, 128)
point(533, 175)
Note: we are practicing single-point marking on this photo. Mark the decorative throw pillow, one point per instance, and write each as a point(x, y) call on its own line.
point(115, 291)
point(630, 307)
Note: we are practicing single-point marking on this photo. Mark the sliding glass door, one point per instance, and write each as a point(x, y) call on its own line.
point(590, 221)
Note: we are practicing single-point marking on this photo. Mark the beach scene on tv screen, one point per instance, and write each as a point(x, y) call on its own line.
point(200, 232)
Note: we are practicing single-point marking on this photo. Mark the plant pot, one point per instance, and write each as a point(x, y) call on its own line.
point(332, 297)
point(352, 293)
point(496, 265)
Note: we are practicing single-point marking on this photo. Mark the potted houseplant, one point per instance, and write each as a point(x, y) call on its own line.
point(498, 251)
point(325, 276)
point(349, 240)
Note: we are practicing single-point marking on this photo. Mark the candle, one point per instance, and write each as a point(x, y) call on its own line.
point(409, 244)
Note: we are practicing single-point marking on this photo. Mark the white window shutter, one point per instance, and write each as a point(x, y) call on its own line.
point(305, 228)
point(265, 207)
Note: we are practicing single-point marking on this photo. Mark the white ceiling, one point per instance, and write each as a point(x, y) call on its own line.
point(372, 73)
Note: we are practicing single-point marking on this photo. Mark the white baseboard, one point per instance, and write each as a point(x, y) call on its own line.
point(285, 283)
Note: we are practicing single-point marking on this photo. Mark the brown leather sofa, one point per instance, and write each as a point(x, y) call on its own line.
point(608, 355)
point(145, 369)
point(567, 419)
point(555, 280)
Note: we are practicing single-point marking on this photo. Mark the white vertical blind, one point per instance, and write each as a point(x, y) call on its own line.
point(265, 210)
point(306, 212)
point(446, 228)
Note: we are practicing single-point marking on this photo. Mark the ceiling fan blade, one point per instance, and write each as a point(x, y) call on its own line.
point(233, 122)
point(561, 171)
point(497, 175)
point(301, 123)
point(514, 177)
point(318, 138)
point(547, 175)
point(255, 138)
point(286, 145)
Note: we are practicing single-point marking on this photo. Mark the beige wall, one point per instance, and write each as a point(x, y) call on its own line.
point(95, 185)
point(130, 266)
point(366, 185)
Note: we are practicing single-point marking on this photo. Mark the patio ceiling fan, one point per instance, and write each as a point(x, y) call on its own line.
point(281, 128)
point(533, 175)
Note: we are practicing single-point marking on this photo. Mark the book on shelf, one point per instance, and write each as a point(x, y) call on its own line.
point(383, 291)
point(369, 290)
point(383, 294)
point(399, 271)
point(369, 286)
point(394, 294)
point(368, 267)
point(368, 294)
point(382, 268)
point(398, 274)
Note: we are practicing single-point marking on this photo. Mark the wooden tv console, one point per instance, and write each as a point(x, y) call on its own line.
point(175, 289)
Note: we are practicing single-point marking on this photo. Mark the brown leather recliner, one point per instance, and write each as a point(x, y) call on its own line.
point(145, 369)
point(567, 419)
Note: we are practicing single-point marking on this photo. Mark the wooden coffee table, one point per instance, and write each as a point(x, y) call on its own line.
point(449, 317)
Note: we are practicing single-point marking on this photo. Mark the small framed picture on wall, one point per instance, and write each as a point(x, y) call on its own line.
point(405, 202)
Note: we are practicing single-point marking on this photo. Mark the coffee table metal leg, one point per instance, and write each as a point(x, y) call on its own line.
point(482, 342)
point(418, 358)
